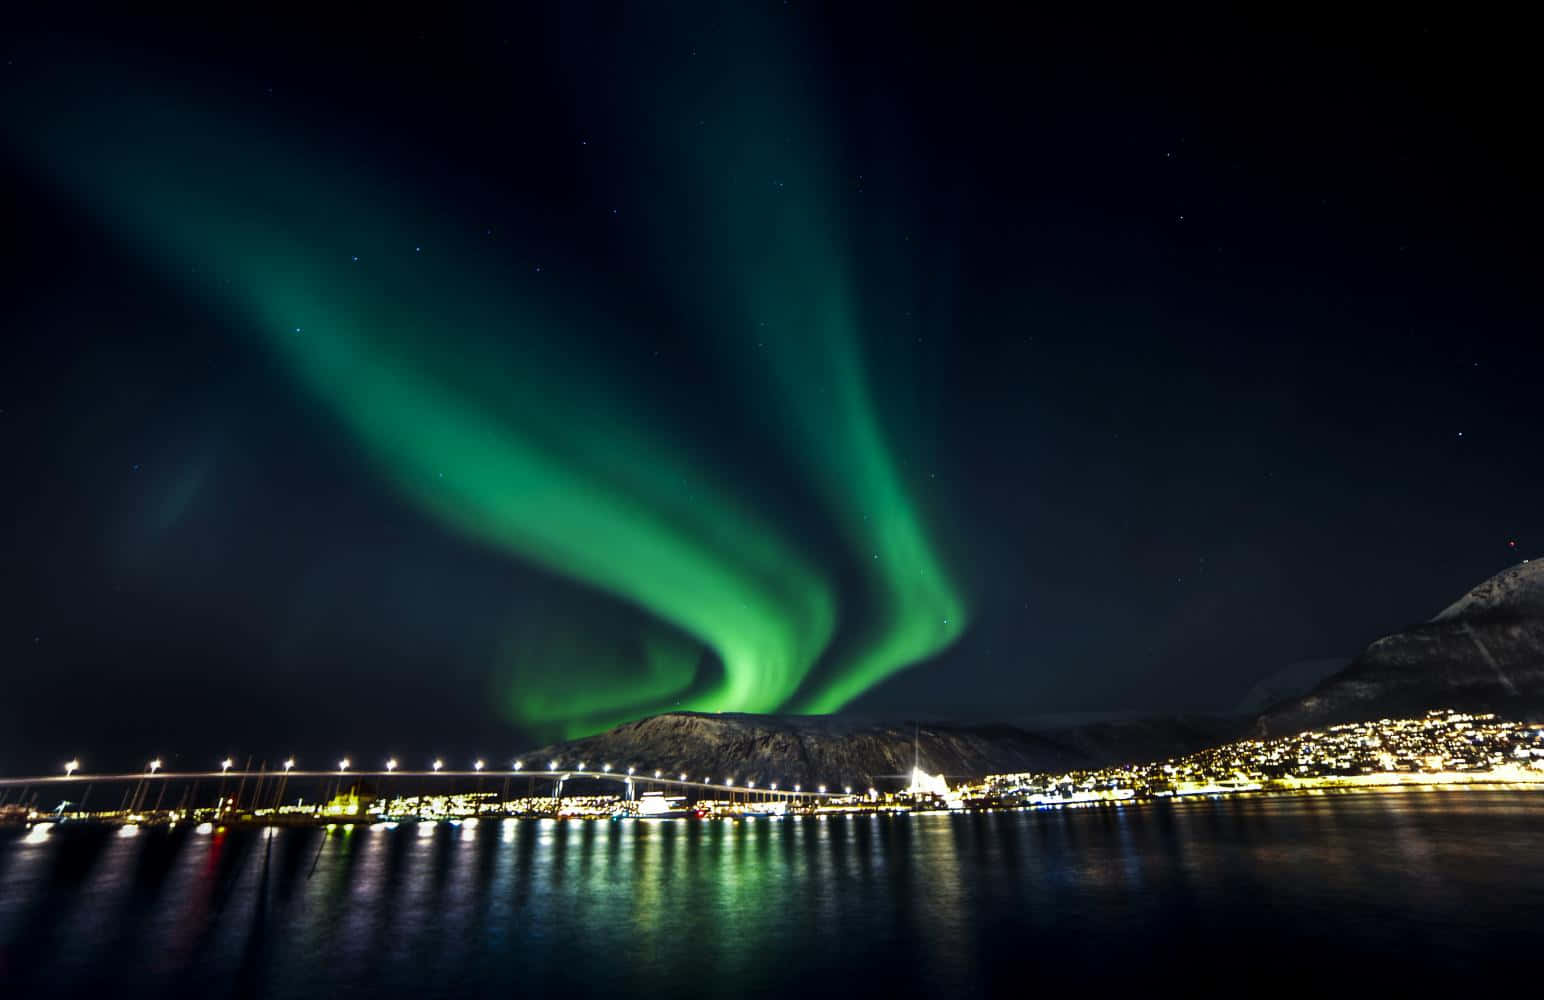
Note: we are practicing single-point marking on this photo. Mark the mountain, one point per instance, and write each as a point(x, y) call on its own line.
point(837, 751)
point(1484, 652)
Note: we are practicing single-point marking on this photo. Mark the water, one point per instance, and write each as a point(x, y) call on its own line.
point(1411, 888)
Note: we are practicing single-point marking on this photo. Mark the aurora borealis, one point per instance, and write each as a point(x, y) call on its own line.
point(458, 383)
point(495, 376)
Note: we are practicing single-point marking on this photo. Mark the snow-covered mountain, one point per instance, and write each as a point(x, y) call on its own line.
point(1484, 652)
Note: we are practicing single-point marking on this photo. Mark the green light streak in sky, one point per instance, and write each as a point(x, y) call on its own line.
point(473, 394)
point(764, 180)
point(509, 445)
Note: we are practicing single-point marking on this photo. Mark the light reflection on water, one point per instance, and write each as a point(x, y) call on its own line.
point(1307, 889)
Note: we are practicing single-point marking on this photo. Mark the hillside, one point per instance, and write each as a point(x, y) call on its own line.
point(836, 751)
point(1484, 652)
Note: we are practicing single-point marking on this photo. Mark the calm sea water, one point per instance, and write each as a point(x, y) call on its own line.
point(1409, 887)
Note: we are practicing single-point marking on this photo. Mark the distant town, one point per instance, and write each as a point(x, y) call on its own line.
point(1441, 748)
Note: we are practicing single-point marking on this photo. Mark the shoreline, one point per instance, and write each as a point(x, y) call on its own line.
point(1349, 786)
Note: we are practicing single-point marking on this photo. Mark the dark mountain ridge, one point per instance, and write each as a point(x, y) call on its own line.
point(837, 751)
point(1483, 653)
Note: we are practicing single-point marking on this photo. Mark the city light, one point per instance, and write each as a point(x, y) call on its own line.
point(1441, 749)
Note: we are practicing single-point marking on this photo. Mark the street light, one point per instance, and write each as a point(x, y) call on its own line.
point(552, 765)
point(226, 765)
point(343, 765)
point(438, 764)
point(656, 774)
point(477, 766)
point(391, 765)
point(581, 765)
point(822, 789)
point(519, 764)
point(848, 790)
point(683, 775)
point(774, 786)
point(289, 764)
point(631, 769)
point(606, 768)
point(70, 767)
point(155, 765)
point(748, 784)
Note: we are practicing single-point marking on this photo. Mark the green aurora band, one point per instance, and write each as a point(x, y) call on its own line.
point(465, 387)
point(769, 214)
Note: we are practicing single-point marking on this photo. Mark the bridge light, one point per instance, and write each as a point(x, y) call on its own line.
point(848, 790)
point(226, 765)
point(606, 768)
point(552, 765)
point(391, 765)
point(631, 769)
point(438, 764)
point(289, 764)
point(343, 765)
point(683, 775)
point(155, 765)
point(581, 765)
point(750, 784)
point(656, 774)
point(797, 787)
point(822, 789)
point(774, 786)
point(478, 766)
point(70, 767)
point(519, 764)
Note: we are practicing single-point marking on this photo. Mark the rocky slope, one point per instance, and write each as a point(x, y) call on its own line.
point(837, 751)
point(1485, 652)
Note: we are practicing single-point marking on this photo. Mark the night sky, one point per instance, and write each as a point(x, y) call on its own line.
point(451, 384)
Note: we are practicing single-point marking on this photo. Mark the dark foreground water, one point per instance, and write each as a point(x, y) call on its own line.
point(1411, 888)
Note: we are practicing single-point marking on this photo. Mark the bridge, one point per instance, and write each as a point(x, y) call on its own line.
point(138, 784)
